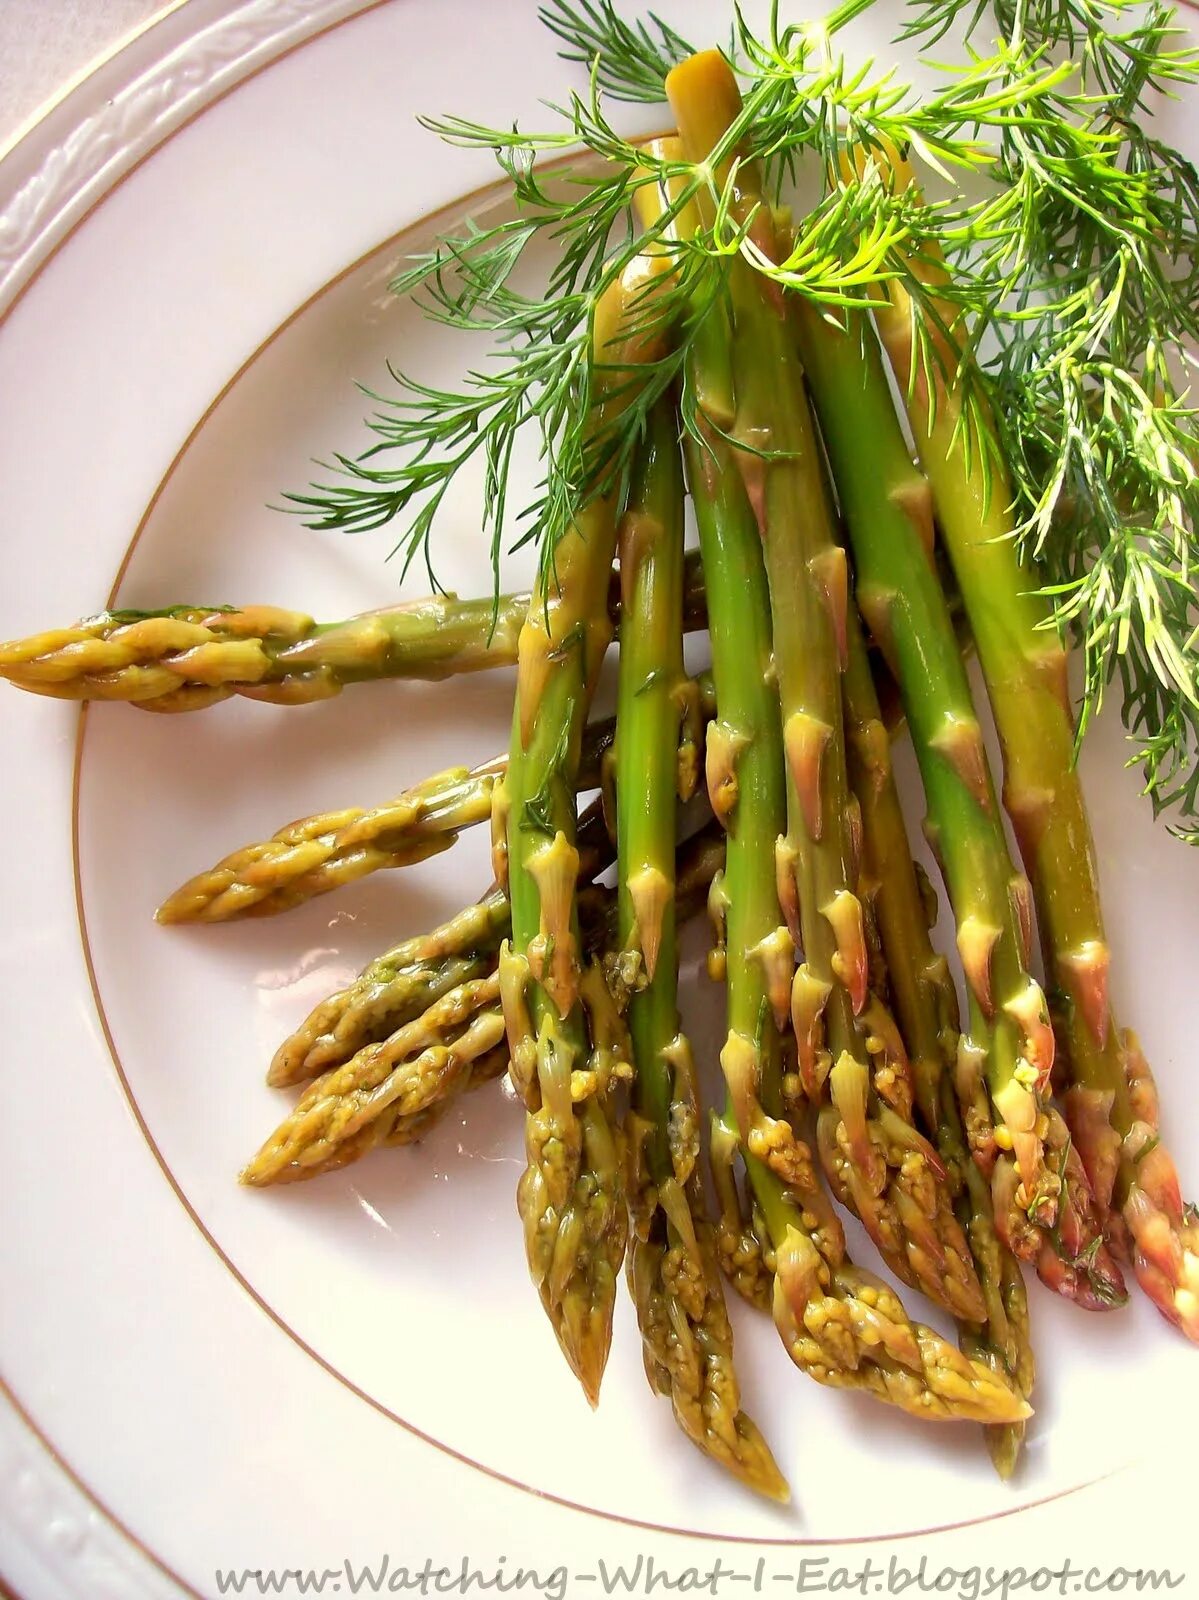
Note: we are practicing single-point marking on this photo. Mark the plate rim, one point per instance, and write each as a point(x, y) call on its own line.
point(470, 198)
point(41, 123)
point(28, 151)
point(98, 148)
point(78, 79)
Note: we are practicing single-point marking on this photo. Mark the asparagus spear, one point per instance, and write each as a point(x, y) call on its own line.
point(188, 657)
point(393, 990)
point(840, 1325)
point(885, 501)
point(383, 1090)
point(571, 1194)
point(743, 766)
point(673, 1270)
point(384, 1074)
point(184, 658)
point(849, 1330)
point(1024, 662)
point(877, 1163)
point(926, 1006)
point(333, 848)
point(324, 852)
point(397, 986)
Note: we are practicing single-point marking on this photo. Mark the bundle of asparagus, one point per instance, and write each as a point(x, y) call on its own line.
point(719, 352)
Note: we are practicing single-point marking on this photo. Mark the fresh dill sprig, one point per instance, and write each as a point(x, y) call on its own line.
point(541, 374)
point(1071, 293)
point(1073, 286)
point(1108, 40)
point(1089, 251)
point(632, 58)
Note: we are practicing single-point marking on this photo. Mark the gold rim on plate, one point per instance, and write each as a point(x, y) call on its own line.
point(472, 202)
point(471, 199)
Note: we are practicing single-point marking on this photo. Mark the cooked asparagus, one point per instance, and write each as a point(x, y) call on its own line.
point(184, 658)
point(571, 1194)
point(842, 1020)
point(673, 1269)
point(925, 1000)
point(849, 1049)
point(324, 852)
point(1024, 662)
point(848, 1329)
point(189, 657)
point(855, 1334)
point(1046, 1218)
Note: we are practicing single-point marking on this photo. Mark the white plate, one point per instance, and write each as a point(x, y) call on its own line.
point(202, 1377)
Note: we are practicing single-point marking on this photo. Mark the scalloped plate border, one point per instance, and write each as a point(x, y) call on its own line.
point(61, 164)
point(88, 140)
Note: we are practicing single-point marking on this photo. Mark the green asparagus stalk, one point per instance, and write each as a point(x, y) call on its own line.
point(387, 1078)
point(399, 985)
point(327, 851)
point(331, 849)
point(841, 1326)
point(571, 1195)
point(184, 658)
point(877, 1163)
point(393, 990)
point(886, 506)
point(1112, 1103)
point(673, 1269)
point(925, 1003)
point(743, 766)
point(384, 1090)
